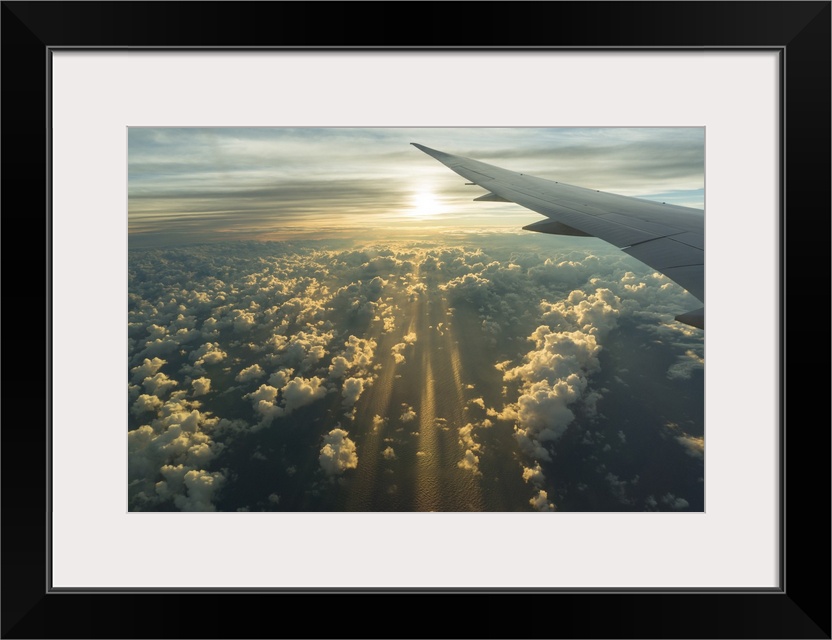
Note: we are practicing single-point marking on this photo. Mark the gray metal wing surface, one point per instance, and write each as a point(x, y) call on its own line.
point(668, 238)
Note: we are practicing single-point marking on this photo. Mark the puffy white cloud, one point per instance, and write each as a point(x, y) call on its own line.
point(191, 489)
point(248, 374)
point(338, 453)
point(243, 320)
point(154, 331)
point(296, 393)
point(389, 323)
point(358, 354)
point(479, 402)
point(147, 368)
point(470, 286)
point(146, 403)
point(159, 384)
point(302, 391)
point(534, 474)
point(554, 375)
point(466, 438)
point(352, 390)
point(208, 353)
point(374, 288)
point(397, 349)
point(408, 414)
point(397, 352)
point(541, 502)
point(592, 313)
point(264, 393)
point(201, 386)
point(177, 446)
point(378, 422)
point(280, 377)
point(339, 367)
point(694, 447)
point(305, 349)
point(388, 454)
point(416, 290)
point(470, 462)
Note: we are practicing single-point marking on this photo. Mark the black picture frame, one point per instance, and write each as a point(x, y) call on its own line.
point(799, 31)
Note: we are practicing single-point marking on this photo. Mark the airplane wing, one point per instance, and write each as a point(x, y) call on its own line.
point(669, 238)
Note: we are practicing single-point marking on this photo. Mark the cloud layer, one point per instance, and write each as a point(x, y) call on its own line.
point(494, 356)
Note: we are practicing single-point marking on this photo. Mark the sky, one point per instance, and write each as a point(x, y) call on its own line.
point(193, 184)
point(322, 320)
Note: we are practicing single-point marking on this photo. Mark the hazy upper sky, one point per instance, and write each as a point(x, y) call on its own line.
point(194, 184)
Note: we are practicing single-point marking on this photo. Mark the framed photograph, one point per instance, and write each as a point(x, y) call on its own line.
point(343, 376)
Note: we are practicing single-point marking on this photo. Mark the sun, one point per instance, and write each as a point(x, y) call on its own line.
point(424, 205)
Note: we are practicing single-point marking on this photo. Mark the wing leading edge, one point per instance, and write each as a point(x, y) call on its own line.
point(668, 238)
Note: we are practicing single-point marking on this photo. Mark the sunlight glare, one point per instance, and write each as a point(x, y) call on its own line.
point(424, 205)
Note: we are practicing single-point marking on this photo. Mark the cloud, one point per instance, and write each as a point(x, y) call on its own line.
point(466, 438)
point(201, 386)
point(408, 415)
point(296, 393)
point(358, 354)
point(619, 487)
point(301, 391)
point(388, 454)
point(280, 377)
point(208, 353)
point(190, 489)
point(397, 352)
point(305, 349)
point(685, 366)
point(554, 375)
point(541, 501)
point(338, 453)
point(146, 403)
point(470, 462)
point(242, 321)
point(479, 402)
point(264, 393)
point(250, 373)
point(379, 422)
point(352, 390)
point(694, 447)
point(147, 368)
point(534, 474)
point(159, 384)
point(177, 445)
point(307, 320)
point(675, 503)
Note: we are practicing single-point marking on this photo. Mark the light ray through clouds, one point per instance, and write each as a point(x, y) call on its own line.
point(323, 320)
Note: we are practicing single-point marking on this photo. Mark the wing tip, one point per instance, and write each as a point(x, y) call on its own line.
point(693, 318)
point(434, 153)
